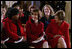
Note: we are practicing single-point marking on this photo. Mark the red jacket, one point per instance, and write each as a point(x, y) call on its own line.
point(33, 31)
point(11, 30)
point(54, 29)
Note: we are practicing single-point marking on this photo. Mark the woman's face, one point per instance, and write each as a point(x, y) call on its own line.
point(20, 12)
point(16, 17)
point(46, 11)
point(35, 16)
point(3, 10)
point(32, 10)
point(57, 19)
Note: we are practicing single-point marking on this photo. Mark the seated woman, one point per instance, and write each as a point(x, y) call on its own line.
point(58, 31)
point(47, 12)
point(14, 30)
point(34, 30)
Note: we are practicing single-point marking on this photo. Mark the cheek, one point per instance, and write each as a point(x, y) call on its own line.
point(47, 12)
point(56, 18)
point(17, 16)
point(18, 8)
point(36, 17)
point(32, 17)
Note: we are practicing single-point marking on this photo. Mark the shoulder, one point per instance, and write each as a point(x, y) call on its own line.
point(6, 20)
point(66, 24)
point(42, 23)
point(28, 22)
point(52, 20)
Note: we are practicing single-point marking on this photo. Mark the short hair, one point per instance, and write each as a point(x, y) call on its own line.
point(37, 10)
point(32, 7)
point(12, 12)
point(7, 12)
point(15, 4)
point(60, 14)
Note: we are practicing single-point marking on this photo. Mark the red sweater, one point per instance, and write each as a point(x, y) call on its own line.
point(33, 31)
point(11, 30)
point(54, 29)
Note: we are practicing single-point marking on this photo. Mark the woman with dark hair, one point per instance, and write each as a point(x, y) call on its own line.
point(13, 29)
point(34, 30)
point(58, 31)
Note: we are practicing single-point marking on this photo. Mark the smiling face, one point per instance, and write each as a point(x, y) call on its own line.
point(59, 15)
point(47, 11)
point(56, 18)
point(35, 17)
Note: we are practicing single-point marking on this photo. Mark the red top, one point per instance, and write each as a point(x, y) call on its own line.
point(33, 31)
point(54, 29)
point(21, 15)
point(11, 29)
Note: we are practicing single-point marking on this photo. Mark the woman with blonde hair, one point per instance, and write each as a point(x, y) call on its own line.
point(48, 13)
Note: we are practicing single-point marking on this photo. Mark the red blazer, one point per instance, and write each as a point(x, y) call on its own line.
point(33, 31)
point(11, 30)
point(54, 29)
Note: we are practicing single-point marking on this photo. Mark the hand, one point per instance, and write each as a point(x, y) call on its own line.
point(20, 37)
point(39, 38)
point(2, 42)
point(23, 39)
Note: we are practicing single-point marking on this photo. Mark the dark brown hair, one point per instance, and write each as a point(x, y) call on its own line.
point(32, 7)
point(60, 14)
point(37, 10)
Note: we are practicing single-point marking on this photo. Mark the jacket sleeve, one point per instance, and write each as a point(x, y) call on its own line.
point(22, 30)
point(24, 33)
point(66, 34)
point(48, 32)
point(41, 30)
point(28, 31)
point(10, 33)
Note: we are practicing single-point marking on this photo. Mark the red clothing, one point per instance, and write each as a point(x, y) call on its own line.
point(2, 18)
point(11, 29)
point(21, 15)
point(29, 19)
point(34, 32)
point(54, 29)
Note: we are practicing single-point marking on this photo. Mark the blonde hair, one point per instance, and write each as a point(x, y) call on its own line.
point(51, 10)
